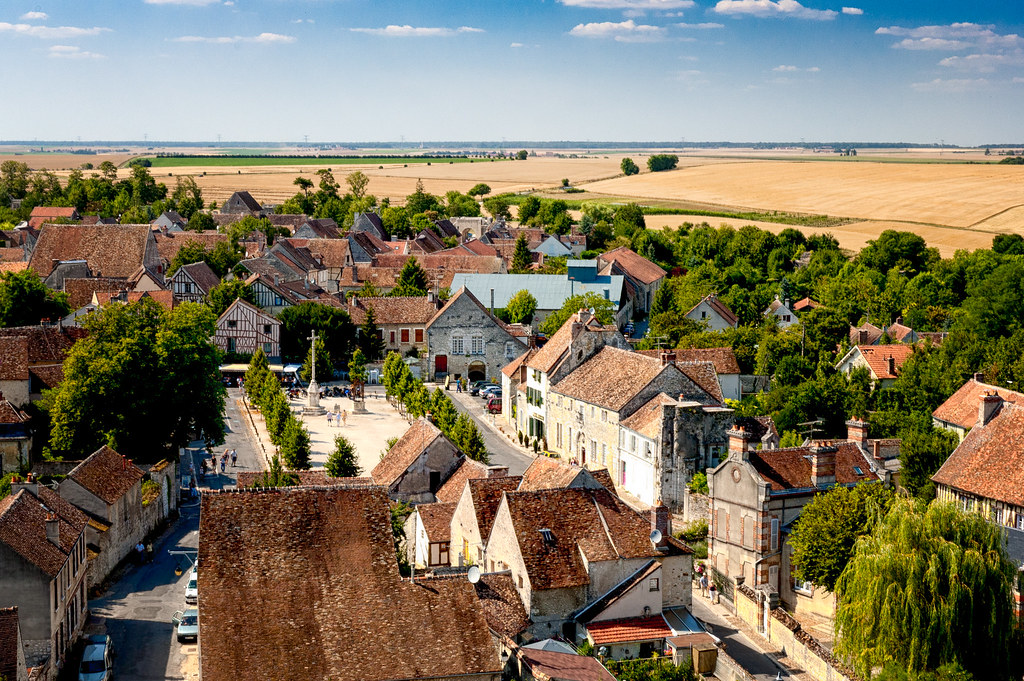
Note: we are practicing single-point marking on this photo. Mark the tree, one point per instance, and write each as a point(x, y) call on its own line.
point(275, 476)
point(479, 190)
point(357, 367)
point(332, 324)
point(324, 364)
point(929, 586)
point(828, 527)
point(521, 307)
point(187, 196)
point(628, 219)
point(144, 381)
point(370, 340)
point(659, 162)
point(25, 300)
point(304, 184)
point(295, 445)
point(342, 462)
point(629, 167)
point(200, 222)
point(528, 209)
point(357, 182)
point(603, 310)
point(420, 201)
point(497, 206)
point(521, 155)
point(257, 375)
point(521, 257)
point(922, 453)
point(412, 280)
point(223, 294)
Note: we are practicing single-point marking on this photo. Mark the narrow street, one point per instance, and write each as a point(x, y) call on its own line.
point(503, 453)
point(737, 644)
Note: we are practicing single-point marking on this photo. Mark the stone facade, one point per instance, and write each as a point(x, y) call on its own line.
point(464, 340)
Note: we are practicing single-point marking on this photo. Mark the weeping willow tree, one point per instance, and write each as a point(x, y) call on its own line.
point(929, 586)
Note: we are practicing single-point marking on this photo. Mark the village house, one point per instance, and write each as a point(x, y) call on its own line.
point(168, 244)
point(727, 367)
point(297, 257)
point(322, 228)
point(806, 305)
point(782, 312)
point(422, 460)
point(15, 438)
point(465, 340)
point(643, 277)
point(869, 334)
point(43, 568)
point(369, 223)
point(335, 586)
point(401, 320)
point(108, 488)
point(332, 254)
point(192, 283)
point(115, 251)
point(472, 516)
point(170, 221)
point(960, 412)
point(883, 362)
point(275, 295)
point(756, 495)
point(428, 535)
point(41, 215)
point(12, 651)
point(242, 203)
point(714, 313)
point(244, 328)
point(32, 359)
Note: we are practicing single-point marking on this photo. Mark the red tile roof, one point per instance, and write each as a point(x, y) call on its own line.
point(437, 520)
point(962, 406)
point(413, 310)
point(989, 463)
point(9, 415)
point(10, 640)
point(789, 469)
point(333, 253)
point(314, 478)
point(613, 377)
point(413, 442)
point(512, 368)
point(877, 357)
point(14, 358)
point(109, 250)
point(43, 214)
point(647, 419)
point(168, 245)
point(547, 473)
point(452, 489)
point(870, 336)
point(548, 356)
point(551, 664)
point(634, 265)
point(80, 291)
point(501, 603)
point(311, 578)
point(46, 344)
point(899, 332)
point(107, 474)
point(703, 374)
point(805, 304)
point(23, 528)
point(486, 494)
point(629, 630)
point(15, 254)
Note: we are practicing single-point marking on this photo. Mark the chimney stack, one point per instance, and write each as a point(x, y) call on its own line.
point(661, 520)
point(857, 431)
point(823, 465)
point(668, 357)
point(29, 484)
point(584, 315)
point(979, 377)
point(862, 336)
point(497, 471)
point(890, 363)
point(990, 404)
point(876, 450)
point(739, 443)
point(53, 528)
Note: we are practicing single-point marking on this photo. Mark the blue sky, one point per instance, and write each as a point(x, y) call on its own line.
point(695, 70)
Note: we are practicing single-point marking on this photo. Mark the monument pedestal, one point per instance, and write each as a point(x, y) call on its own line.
point(358, 406)
point(313, 407)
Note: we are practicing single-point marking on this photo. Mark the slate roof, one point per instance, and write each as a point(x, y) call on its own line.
point(962, 406)
point(634, 265)
point(9, 640)
point(719, 307)
point(412, 310)
point(989, 463)
point(310, 576)
point(611, 378)
point(551, 664)
point(247, 200)
point(202, 275)
point(110, 250)
point(790, 469)
point(452, 489)
point(877, 356)
point(437, 520)
point(629, 629)
point(871, 334)
point(325, 228)
point(311, 478)
point(168, 245)
point(647, 419)
point(407, 449)
point(550, 290)
point(23, 527)
point(583, 522)
point(80, 291)
point(447, 228)
point(486, 494)
point(107, 474)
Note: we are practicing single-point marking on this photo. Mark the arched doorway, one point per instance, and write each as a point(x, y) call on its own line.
point(477, 371)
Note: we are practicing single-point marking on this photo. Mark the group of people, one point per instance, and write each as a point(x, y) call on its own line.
point(340, 417)
point(227, 454)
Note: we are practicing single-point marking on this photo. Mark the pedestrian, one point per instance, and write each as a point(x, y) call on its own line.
point(704, 585)
point(140, 551)
point(447, 381)
point(234, 458)
point(202, 468)
point(344, 417)
point(712, 591)
point(223, 465)
point(330, 419)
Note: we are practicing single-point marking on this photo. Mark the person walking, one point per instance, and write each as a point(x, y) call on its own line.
point(202, 469)
point(344, 417)
point(234, 458)
point(223, 464)
point(704, 585)
point(330, 419)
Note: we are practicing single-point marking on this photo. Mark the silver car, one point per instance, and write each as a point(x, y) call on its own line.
point(187, 623)
point(97, 663)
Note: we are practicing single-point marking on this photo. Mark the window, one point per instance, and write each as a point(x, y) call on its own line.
point(786, 318)
point(604, 415)
point(520, 581)
point(392, 337)
point(435, 480)
point(508, 349)
point(647, 449)
point(419, 335)
point(803, 587)
point(632, 443)
point(443, 550)
point(405, 335)
point(188, 287)
point(536, 376)
point(604, 454)
point(593, 447)
point(232, 323)
point(266, 328)
point(775, 535)
point(277, 300)
point(266, 348)
point(703, 314)
point(1020, 520)
point(458, 345)
point(478, 345)
point(558, 435)
point(857, 470)
point(231, 344)
point(592, 411)
point(653, 585)
point(773, 576)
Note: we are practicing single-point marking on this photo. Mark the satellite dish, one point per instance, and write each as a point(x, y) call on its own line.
point(473, 575)
point(656, 537)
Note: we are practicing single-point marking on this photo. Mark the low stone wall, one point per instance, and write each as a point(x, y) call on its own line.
point(728, 669)
point(696, 507)
point(52, 468)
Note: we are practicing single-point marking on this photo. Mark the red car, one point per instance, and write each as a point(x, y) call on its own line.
point(494, 405)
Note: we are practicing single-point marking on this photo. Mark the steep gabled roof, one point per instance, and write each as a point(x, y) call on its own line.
point(46, 344)
point(23, 528)
point(548, 356)
point(805, 304)
point(437, 520)
point(719, 307)
point(406, 450)
point(452, 488)
point(865, 334)
point(333, 253)
point(14, 358)
point(551, 664)
point(413, 310)
point(961, 408)
point(789, 469)
point(486, 494)
point(704, 376)
point(247, 200)
point(258, 313)
point(634, 265)
point(877, 358)
point(647, 419)
point(106, 474)
point(724, 358)
point(168, 245)
point(109, 250)
point(501, 603)
point(465, 293)
point(512, 367)
point(202, 275)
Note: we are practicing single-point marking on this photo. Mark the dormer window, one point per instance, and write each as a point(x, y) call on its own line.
point(548, 536)
point(857, 470)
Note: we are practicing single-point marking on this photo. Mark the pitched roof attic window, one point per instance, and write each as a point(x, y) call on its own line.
point(857, 470)
point(548, 536)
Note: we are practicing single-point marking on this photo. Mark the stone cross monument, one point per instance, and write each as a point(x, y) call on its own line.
point(313, 407)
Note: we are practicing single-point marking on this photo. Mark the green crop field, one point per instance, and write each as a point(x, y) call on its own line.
point(238, 161)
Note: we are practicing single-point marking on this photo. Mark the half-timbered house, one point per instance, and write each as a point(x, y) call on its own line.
point(193, 282)
point(244, 327)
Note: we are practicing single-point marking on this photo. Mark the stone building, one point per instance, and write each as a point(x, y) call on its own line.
point(473, 516)
point(15, 438)
point(713, 312)
point(418, 464)
point(401, 321)
point(12, 648)
point(464, 340)
point(643, 277)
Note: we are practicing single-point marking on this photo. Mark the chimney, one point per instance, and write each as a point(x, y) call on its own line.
point(497, 471)
point(661, 520)
point(53, 263)
point(353, 300)
point(890, 364)
point(990, 404)
point(584, 315)
point(823, 465)
point(876, 450)
point(862, 336)
point(899, 320)
point(739, 443)
point(432, 298)
point(29, 484)
point(857, 431)
point(53, 528)
point(979, 377)
point(787, 304)
point(668, 357)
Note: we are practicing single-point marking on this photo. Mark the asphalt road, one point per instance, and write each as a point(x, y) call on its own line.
point(502, 453)
point(739, 647)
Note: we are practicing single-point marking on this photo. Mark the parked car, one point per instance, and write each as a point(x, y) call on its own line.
point(192, 589)
point(494, 405)
point(489, 390)
point(187, 623)
point(492, 393)
point(477, 389)
point(97, 659)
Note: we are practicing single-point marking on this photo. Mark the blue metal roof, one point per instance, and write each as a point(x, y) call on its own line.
point(550, 290)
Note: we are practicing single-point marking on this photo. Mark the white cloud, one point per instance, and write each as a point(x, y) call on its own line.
point(303, 21)
point(785, 67)
point(261, 39)
point(1018, 80)
point(853, 11)
point(407, 31)
point(50, 32)
point(706, 25)
point(516, 45)
point(789, 68)
point(930, 44)
point(623, 31)
point(952, 85)
point(192, 3)
point(34, 16)
point(631, 4)
point(773, 8)
point(983, 63)
point(72, 52)
point(956, 35)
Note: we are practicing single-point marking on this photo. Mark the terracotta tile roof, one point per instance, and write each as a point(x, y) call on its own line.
point(16, 254)
point(168, 245)
point(9, 415)
point(415, 310)
point(10, 634)
point(46, 344)
point(962, 406)
point(320, 585)
point(445, 260)
point(23, 528)
point(486, 494)
point(13, 266)
point(290, 220)
point(164, 298)
point(551, 664)
point(451, 490)
point(719, 307)
point(14, 358)
point(109, 250)
point(202, 275)
point(333, 253)
point(548, 356)
point(437, 520)
point(44, 214)
point(703, 374)
point(788, 469)
point(989, 463)
point(629, 629)
point(80, 291)
point(107, 474)
point(900, 332)
point(805, 304)
point(312, 478)
point(633, 265)
point(416, 439)
point(547, 473)
point(582, 522)
point(647, 419)
point(512, 368)
point(383, 278)
point(604, 477)
point(50, 376)
point(501, 604)
point(865, 334)
point(611, 378)
point(476, 247)
point(877, 358)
